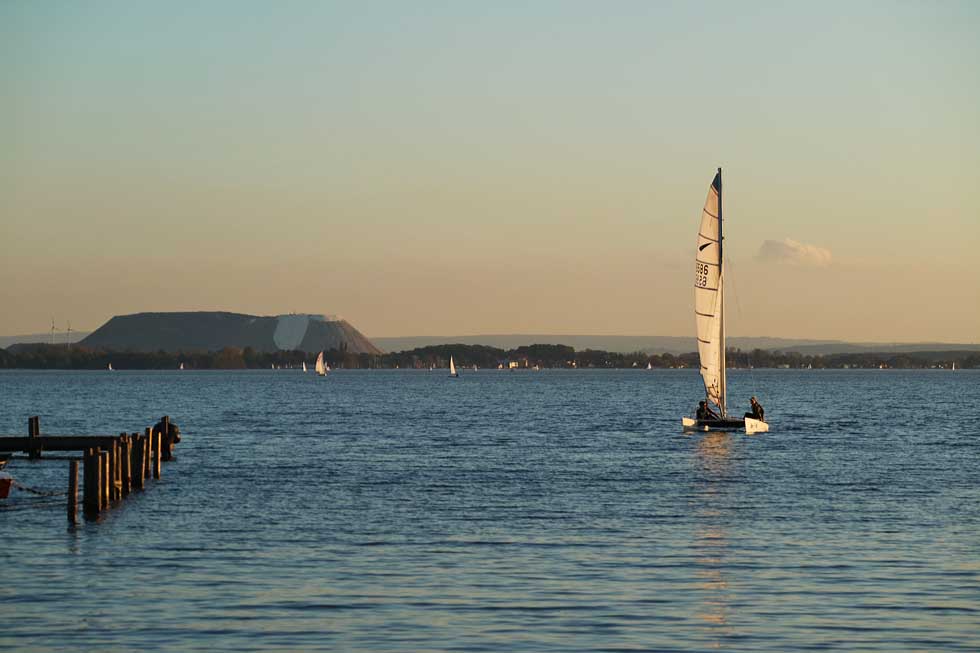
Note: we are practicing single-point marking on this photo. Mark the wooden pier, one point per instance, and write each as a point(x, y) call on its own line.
point(113, 466)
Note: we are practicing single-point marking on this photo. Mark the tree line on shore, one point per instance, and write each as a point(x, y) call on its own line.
point(42, 356)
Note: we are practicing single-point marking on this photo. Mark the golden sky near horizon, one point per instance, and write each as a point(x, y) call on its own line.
point(428, 169)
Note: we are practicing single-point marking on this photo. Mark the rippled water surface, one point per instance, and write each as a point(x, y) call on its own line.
point(517, 511)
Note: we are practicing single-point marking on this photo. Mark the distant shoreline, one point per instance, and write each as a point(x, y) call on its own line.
point(541, 356)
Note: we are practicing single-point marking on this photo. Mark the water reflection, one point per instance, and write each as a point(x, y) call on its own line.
point(714, 458)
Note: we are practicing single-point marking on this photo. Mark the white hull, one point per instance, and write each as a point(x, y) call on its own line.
point(751, 426)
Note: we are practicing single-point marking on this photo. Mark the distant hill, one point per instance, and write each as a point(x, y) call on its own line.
point(59, 338)
point(661, 344)
point(213, 330)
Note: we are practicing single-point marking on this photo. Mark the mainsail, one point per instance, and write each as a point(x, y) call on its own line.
point(708, 297)
point(452, 367)
point(319, 367)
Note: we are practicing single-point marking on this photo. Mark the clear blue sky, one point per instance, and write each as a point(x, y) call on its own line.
point(444, 168)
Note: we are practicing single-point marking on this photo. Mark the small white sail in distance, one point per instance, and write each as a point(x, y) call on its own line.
point(452, 367)
point(304, 366)
point(319, 367)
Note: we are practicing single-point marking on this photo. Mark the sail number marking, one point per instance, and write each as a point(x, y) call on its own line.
point(701, 275)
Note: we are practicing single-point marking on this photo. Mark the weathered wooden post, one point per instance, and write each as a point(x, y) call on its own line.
point(146, 452)
point(72, 491)
point(111, 475)
point(127, 464)
point(34, 431)
point(117, 468)
point(104, 478)
point(134, 461)
point(138, 465)
point(91, 483)
point(157, 440)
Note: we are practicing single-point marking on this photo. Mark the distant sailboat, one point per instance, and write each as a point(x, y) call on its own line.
point(649, 365)
point(181, 366)
point(709, 315)
point(452, 367)
point(304, 367)
point(110, 368)
point(954, 367)
point(319, 368)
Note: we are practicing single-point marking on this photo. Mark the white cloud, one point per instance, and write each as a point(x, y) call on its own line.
point(788, 250)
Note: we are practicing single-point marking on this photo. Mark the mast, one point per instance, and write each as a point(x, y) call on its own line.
point(721, 301)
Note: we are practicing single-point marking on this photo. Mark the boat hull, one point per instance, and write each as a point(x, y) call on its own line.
point(749, 425)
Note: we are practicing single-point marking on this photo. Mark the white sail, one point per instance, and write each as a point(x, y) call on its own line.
point(319, 367)
point(110, 367)
point(452, 367)
point(708, 294)
point(304, 366)
point(181, 366)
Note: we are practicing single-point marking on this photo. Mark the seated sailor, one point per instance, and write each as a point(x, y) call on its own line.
point(758, 412)
point(704, 411)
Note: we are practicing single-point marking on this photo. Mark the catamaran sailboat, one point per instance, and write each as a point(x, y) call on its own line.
point(709, 314)
point(452, 368)
point(319, 367)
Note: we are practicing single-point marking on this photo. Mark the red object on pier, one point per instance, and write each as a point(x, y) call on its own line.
point(5, 482)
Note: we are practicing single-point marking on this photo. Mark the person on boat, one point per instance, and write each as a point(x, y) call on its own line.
point(758, 412)
point(704, 411)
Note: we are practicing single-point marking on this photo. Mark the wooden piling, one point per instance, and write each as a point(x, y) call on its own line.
point(104, 479)
point(34, 431)
point(117, 470)
point(111, 475)
point(90, 499)
point(134, 461)
point(148, 453)
point(127, 464)
point(157, 440)
point(137, 461)
point(72, 491)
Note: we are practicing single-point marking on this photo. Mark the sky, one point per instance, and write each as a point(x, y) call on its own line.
point(437, 168)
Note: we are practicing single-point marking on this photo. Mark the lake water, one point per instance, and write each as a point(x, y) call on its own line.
point(504, 511)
